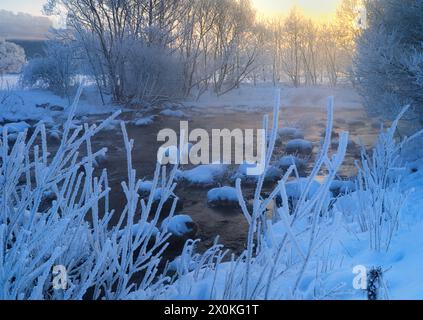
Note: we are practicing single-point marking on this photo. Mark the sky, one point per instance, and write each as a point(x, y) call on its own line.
point(314, 8)
point(27, 6)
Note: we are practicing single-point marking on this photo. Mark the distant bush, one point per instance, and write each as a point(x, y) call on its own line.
point(56, 71)
point(12, 57)
point(151, 74)
point(389, 64)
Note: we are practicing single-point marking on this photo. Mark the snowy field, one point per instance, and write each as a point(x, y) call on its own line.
point(33, 104)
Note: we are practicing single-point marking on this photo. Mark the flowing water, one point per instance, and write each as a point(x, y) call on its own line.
point(230, 225)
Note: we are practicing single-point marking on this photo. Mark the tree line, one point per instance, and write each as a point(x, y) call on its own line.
point(157, 50)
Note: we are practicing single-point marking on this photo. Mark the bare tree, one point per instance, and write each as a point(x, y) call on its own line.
point(291, 51)
point(108, 29)
point(235, 46)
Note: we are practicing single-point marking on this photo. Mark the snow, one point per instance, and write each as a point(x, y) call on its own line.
point(146, 227)
point(342, 187)
point(295, 188)
point(402, 264)
point(242, 170)
point(17, 127)
point(286, 161)
point(25, 105)
point(8, 81)
point(146, 186)
point(203, 174)
point(224, 194)
point(178, 225)
point(290, 133)
point(299, 146)
point(173, 113)
point(157, 194)
point(273, 173)
point(112, 125)
point(144, 121)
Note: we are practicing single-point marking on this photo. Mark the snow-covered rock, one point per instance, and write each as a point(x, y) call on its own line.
point(48, 121)
point(351, 147)
point(100, 160)
point(299, 146)
point(242, 170)
point(167, 206)
point(57, 108)
point(356, 123)
point(203, 174)
point(273, 173)
point(12, 137)
point(340, 121)
point(17, 127)
point(146, 186)
point(145, 190)
point(172, 154)
point(223, 197)
point(180, 226)
point(340, 188)
point(157, 194)
point(290, 133)
point(287, 161)
point(296, 188)
point(55, 135)
point(146, 227)
point(112, 125)
point(144, 121)
point(173, 113)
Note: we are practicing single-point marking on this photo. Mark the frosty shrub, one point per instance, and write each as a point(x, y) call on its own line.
point(73, 230)
point(56, 71)
point(388, 66)
point(151, 74)
point(380, 197)
point(12, 57)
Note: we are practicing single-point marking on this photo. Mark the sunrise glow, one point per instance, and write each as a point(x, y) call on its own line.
point(317, 9)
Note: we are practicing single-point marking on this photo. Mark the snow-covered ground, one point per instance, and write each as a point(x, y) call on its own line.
point(402, 264)
point(19, 104)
